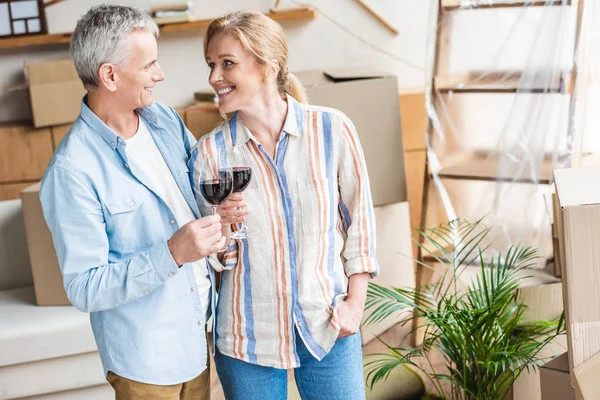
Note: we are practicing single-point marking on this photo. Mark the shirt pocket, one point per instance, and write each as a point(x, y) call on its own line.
point(315, 205)
point(129, 223)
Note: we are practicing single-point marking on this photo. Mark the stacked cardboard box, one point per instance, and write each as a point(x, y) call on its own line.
point(578, 193)
point(24, 155)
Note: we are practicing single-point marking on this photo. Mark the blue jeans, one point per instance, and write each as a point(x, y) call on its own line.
point(338, 376)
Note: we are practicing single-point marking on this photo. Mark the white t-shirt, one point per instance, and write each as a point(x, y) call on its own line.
point(143, 153)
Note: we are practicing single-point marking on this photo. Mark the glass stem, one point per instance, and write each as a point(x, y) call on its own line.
point(214, 210)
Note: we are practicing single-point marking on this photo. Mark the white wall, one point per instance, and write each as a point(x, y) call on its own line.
point(314, 44)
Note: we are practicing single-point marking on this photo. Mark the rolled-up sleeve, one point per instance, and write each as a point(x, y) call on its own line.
point(356, 205)
point(75, 218)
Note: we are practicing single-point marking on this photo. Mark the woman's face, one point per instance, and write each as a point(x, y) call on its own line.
point(236, 77)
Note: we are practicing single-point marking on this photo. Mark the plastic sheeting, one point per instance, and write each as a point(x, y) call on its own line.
point(505, 109)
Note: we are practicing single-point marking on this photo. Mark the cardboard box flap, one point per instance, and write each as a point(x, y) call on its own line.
point(40, 73)
point(322, 77)
point(351, 74)
point(35, 188)
point(560, 363)
point(586, 378)
point(578, 186)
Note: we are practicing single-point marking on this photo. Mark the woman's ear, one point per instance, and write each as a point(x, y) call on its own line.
point(108, 76)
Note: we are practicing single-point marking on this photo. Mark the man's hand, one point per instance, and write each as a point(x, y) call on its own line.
point(350, 316)
point(196, 240)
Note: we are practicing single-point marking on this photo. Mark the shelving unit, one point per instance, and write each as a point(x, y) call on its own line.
point(61, 38)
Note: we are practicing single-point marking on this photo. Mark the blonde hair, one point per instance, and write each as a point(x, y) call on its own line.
point(265, 40)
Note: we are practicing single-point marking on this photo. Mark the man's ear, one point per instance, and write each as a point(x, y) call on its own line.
point(108, 77)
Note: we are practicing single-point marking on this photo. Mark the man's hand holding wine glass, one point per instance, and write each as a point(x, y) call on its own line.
point(197, 239)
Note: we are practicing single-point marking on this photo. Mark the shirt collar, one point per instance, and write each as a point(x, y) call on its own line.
point(294, 120)
point(147, 114)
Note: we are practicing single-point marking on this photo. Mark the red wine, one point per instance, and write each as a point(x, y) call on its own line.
point(241, 178)
point(216, 191)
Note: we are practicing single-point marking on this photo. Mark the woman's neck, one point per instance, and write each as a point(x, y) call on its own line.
point(266, 118)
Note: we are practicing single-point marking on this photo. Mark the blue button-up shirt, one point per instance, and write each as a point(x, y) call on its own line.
point(110, 230)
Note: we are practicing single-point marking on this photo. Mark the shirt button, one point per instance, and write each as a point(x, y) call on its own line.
point(200, 322)
point(118, 139)
point(132, 203)
point(126, 165)
point(172, 222)
point(112, 144)
point(193, 288)
point(171, 274)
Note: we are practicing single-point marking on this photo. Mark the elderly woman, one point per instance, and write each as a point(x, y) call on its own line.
point(295, 294)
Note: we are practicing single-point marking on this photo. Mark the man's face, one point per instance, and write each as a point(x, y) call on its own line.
point(137, 81)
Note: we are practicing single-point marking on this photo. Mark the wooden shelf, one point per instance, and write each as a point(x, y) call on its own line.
point(450, 5)
point(42, 40)
point(485, 168)
point(498, 82)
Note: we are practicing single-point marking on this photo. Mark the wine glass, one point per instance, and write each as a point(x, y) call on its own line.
point(216, 180)
point(242, 176)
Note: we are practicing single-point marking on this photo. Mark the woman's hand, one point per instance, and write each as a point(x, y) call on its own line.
point(233, 210)
point(350, 311)
point(349, 316)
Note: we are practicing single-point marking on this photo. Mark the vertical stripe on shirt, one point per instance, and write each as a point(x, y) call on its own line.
point(248, 313)
point(332, 176)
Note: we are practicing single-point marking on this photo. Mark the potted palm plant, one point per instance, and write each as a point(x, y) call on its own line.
point(480, 330)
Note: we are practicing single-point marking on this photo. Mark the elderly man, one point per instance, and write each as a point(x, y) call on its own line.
point(123, 216)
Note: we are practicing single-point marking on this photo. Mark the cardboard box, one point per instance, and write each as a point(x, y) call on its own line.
point(201, 118)
point(55, 92)
point(370, 99)
point(586, 376)
point(24, 152)
point(578, 192)
point(47, 278)
point(555, 380)
point(11, 191)
point(414, 121)
point(394, 254)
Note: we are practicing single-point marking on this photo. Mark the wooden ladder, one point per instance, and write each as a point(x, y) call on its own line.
point(479, 167)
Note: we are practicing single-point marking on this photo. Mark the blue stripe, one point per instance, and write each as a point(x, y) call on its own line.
point(220, 142)
point(328, 148)
point(233, 128)
point(299, 115)
point(345, 214)
point(248, 313)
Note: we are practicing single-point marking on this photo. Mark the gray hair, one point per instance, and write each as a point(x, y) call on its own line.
point(101, 37)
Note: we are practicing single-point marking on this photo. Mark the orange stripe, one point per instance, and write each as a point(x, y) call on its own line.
point(267, 177)
point(362, 239)
point(314, 152)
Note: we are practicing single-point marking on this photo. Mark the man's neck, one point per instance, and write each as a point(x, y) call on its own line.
point(123, 121)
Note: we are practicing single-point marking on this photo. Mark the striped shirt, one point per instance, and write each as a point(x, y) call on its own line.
point(313, 208)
